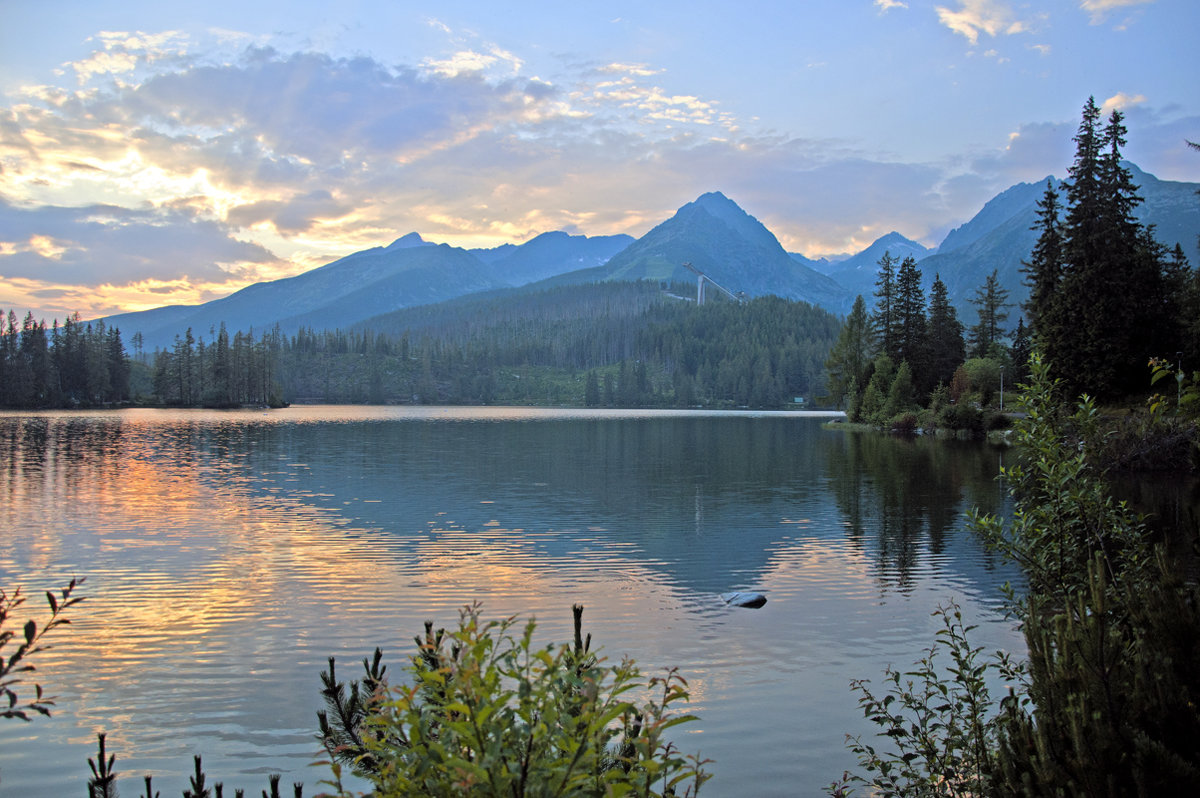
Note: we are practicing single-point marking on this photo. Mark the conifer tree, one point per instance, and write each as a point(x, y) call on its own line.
point(884, 322)
point(1044, 271)
point(991, 303)
point(591, 389)
point(1109, 314)
point(1019, 352)
point(912, 346)
point(946, 347)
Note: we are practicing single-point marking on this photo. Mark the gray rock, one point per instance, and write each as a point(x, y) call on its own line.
point(744, 599)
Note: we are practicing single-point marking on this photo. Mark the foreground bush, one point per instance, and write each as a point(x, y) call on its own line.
point(488, 713)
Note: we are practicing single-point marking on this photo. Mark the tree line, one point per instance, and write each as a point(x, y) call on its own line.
point(618, 345)
point(635, 344)
point(76, 364)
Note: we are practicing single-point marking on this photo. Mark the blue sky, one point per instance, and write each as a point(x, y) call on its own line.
point(159, 153)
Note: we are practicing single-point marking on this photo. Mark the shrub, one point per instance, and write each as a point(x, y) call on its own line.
point(962, 416)
point(940, 726)
point(487, 713)
point(995, 421)
point(905, 424)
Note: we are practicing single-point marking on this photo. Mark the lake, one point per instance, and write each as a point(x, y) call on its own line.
point(229, 554)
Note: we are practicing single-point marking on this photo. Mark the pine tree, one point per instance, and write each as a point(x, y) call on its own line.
point(1044, 272)
point(1108, 315)
point(991, 303)
point(1019, 352)
point(591, 389)
point(912, 345)
point(946, 347)
point(884, 323)
point(1184, 283)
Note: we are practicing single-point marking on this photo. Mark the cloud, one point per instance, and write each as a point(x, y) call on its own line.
point(98, 245)
point(124, 52)
point(636, 70)
point(1099, 10)
point(973, 17)
point(885, 6)
point(468, 62)
point(1033, 151)
point(300, 214)
point(619, 94)
point(1122, 102)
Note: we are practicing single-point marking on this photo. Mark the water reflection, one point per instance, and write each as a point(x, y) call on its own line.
point(228, 554)
point(904, 498)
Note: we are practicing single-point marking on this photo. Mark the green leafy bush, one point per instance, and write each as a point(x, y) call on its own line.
point(996, 421)
point(488, 713)
point(938, 717)
point(963, 415)
point(904, 424)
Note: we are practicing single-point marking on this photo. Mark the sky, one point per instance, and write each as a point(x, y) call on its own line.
point(156, 153)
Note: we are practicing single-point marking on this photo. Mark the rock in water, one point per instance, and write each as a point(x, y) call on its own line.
point(743, 599)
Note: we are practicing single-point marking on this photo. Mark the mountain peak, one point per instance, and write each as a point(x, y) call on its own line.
point(408, 241)
point(714, 198)
point(897, 244)
point(720, 207)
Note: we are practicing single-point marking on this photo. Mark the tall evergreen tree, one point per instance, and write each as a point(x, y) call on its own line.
point(1019, 352)
point(1044, 270)
point(1184, 283)
point(1110, 311)
point(912, 346)
point(591, 389)
point(991, 303)
point(884, 322)
point(946, 346)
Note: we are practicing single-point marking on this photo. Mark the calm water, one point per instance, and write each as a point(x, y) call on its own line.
point(229, 554)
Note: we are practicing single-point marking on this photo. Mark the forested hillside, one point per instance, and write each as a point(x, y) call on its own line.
point(611, 344)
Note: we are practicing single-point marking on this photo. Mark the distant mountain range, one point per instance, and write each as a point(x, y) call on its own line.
point(712, 233)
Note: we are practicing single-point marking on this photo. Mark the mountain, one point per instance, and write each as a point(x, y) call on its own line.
point(733, 248)
point(857, 273)
point(550, 254)
point(1002, 247)
point(1008, 204)
point(407, 272)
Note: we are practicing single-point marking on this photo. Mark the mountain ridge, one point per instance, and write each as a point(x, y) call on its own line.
point(712, 232)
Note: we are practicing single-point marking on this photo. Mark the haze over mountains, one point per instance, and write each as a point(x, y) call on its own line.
point(712, 233)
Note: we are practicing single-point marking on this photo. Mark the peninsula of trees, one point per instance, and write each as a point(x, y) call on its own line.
point(1104, 298)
